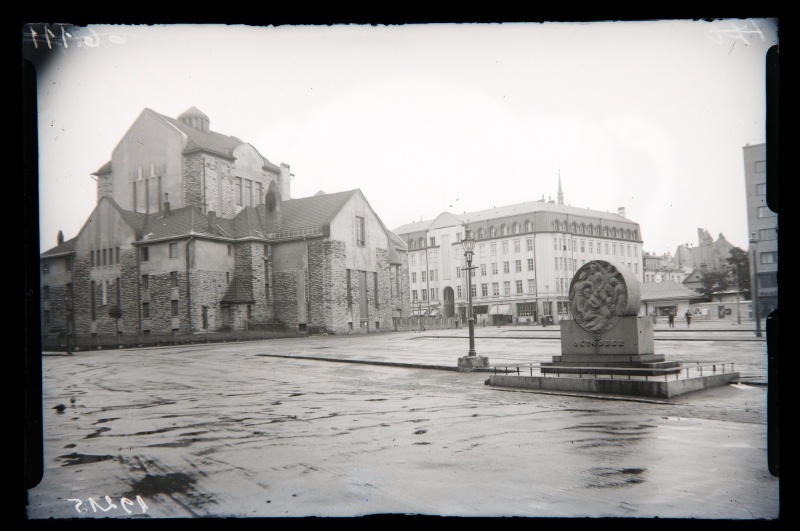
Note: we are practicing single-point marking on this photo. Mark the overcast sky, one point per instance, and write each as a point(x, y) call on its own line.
point(650, 116)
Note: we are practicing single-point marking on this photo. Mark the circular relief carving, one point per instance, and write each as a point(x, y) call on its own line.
point(600, 293)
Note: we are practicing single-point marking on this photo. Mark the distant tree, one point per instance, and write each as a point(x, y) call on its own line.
point(739, 271)
point(714, 283)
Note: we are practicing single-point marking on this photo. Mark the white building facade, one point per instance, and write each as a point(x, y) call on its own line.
point(524, 259)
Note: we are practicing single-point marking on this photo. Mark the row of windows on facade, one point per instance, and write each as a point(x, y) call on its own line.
point(559, 244)
point(562, 226)
point(422, 295)
point(248, 192)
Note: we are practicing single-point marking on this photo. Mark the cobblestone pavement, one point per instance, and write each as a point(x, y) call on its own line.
point(358, 425)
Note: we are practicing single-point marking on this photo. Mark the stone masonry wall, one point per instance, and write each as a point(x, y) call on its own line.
point(208, 288)
point(193, 182)
point(285, 290)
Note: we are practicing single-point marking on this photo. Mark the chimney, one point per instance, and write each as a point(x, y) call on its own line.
point(166, 205)
point(621, 211)
point(212, 220)
point(60, 238)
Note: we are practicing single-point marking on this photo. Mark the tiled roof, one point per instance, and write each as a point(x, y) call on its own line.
point(527, 207)
point(397, 240)
point(249, 223)
point(207, 141)
point(666, 290)
point(539, 206)
point(65, 248)
point(181, 221)
point(312, 211)
point(237, 292)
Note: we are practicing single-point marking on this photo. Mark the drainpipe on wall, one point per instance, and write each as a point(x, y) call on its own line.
point(188, 287)
point(139, 288)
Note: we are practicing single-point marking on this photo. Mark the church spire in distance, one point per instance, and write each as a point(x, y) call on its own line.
point(560, 191)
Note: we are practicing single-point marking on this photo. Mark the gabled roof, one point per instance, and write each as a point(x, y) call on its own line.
point(668, 290)
point(313, 211)
point(200, 140)
point(237, 293)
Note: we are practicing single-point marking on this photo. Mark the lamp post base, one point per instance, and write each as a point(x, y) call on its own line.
point(471, 362)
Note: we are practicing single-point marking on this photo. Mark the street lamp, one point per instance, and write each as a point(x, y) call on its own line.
point(469, 248)
point(753, 244)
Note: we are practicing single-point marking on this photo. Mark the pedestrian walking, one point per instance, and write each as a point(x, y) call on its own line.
point(688, 318)
point(671, 319)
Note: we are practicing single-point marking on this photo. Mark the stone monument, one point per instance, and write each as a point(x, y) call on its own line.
point(607, 347)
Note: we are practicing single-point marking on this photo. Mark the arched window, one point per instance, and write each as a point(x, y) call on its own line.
point(515, 228)
point(633, 234)
point(421, 243)
point(605, 230)
point(412, 244)
point(597, 230)
point(556, 225)
point(574, 227)
point(503, 229)
point(492, 232)
point(527, 226)
point(481, 234)
point(583, 228)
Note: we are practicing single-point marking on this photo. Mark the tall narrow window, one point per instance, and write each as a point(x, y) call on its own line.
point(205, 317)
point(174, 308)
point(349, 289)
point(145, 310)
point(145, 253)
point(145, 282)
point(375, 288)
point(92, 301)
point(360, 231)
point(238, 191)
point(173, 279)
point(104, 257)
point(173, 250)
point(117, 261)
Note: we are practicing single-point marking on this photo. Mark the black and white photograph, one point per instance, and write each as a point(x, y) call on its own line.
point(523, 269)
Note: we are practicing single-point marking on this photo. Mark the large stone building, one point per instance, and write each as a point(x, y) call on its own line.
point(762, 223)
point(709, 254)
point(195, 230)
point(525, 257)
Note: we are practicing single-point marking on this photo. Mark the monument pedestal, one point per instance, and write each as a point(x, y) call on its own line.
point(470, 363)
point(607, 348)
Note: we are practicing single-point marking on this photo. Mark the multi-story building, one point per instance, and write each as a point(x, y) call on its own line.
point(524, 259)
point(762, 224)
point(195, 230)
point(662, 268)
point(709, 253)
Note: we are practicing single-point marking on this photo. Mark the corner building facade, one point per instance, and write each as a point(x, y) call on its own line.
point(524, 259)
point(194, 230)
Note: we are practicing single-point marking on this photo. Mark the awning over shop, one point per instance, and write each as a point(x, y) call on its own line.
point(420, 313)
point(500, 309)
point(434, 312)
